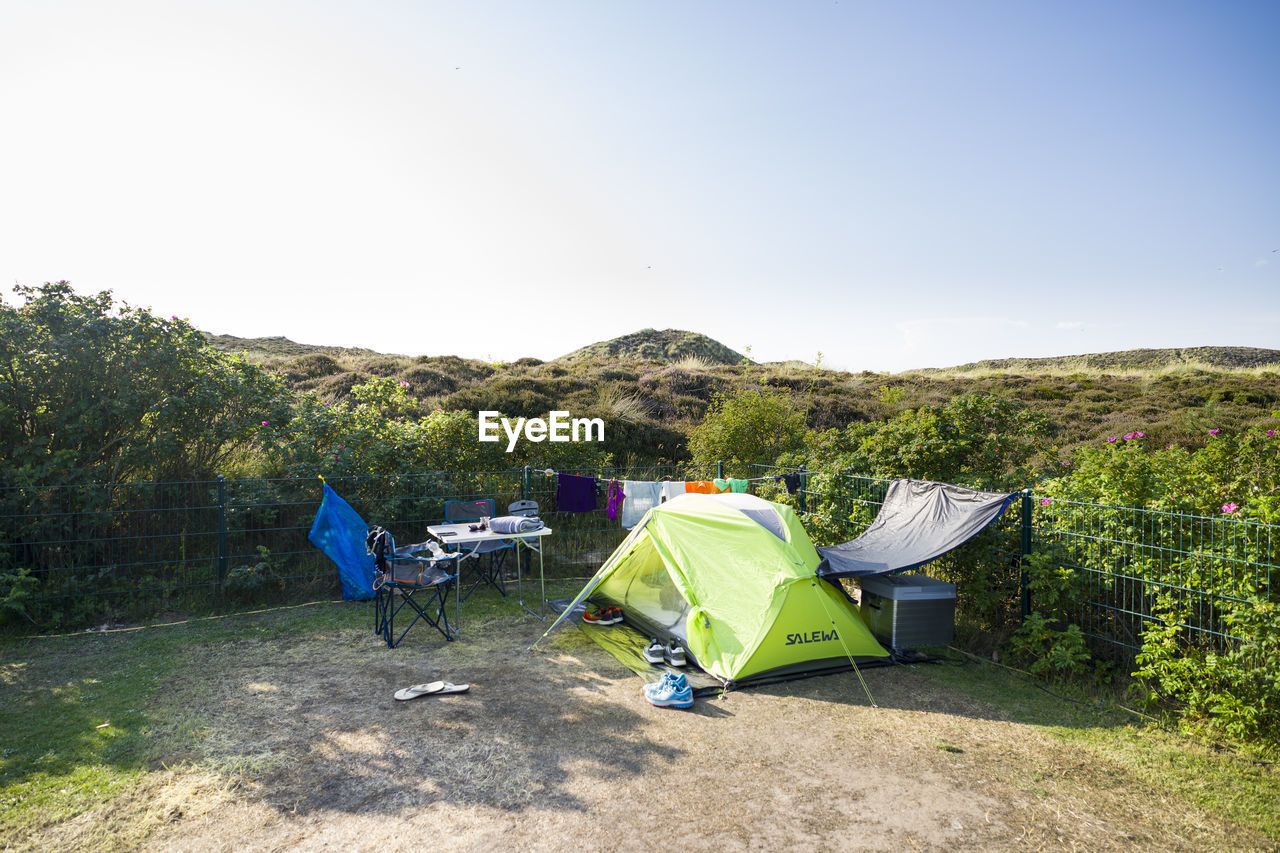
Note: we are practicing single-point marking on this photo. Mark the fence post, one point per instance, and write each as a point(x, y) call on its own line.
point(222, 531)
point(719, 469)
point(1025, 552)
point(526, 485)
point(802, 502)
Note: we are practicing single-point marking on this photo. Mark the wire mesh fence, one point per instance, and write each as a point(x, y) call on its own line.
point(1134, 568)
point(1129, 568)
point(138, 551)
point(105, 554)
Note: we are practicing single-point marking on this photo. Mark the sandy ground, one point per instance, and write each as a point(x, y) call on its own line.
point(303, 747)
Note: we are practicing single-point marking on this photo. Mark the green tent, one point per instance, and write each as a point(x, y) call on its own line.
point(731, 577)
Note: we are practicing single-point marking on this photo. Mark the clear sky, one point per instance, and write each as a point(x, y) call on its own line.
point(892, 184)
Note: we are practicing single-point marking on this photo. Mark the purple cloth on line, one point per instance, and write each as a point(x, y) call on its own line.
point(616, 496)
point(575, 494)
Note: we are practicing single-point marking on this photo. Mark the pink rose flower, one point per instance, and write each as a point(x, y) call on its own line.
point(1230, 508)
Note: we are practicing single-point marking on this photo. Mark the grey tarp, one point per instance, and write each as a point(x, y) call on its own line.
point(919, 521)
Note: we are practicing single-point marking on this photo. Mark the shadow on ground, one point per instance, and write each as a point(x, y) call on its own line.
point(312, 723)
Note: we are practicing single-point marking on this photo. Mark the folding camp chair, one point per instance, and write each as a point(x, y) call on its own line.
point(486, 557)
point(421, 583)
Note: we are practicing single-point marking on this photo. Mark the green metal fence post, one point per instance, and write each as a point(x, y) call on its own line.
point(1025, 552)
point(526, 484)
point(801, 499)
point(719, 469)
point(222, 531)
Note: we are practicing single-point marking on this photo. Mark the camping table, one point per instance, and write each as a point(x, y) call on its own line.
point(460, 534)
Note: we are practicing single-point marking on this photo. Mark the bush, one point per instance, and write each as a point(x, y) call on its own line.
point(1235, 694)
point(426, 381)
point(1045, 642)
point(975, 440)
point(248, 582)
point(1230, 469)
point(92, 390)
point(311, 366)
point(15, 588)
point(746, 428)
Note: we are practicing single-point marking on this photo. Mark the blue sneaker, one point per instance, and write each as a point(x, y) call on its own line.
point(672, 691)
point(660, 683)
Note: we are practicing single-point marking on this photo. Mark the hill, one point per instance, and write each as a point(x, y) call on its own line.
point(1130, 361)
point(258, 349)
point(652, 387)
point(668, 345)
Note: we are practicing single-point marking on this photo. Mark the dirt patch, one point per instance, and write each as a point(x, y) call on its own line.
point(300, 745)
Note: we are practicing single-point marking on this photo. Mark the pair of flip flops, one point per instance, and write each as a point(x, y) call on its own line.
point(435, 688)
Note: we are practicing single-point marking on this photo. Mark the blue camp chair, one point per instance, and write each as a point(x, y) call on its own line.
point(481, 563)
point(421, 583)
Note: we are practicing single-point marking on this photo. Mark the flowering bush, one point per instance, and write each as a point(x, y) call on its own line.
point(1232, 474)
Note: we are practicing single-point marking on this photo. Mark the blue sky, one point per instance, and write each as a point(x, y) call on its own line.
point(894, 185)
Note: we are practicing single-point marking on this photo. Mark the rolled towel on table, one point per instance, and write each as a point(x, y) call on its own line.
point(509, 524)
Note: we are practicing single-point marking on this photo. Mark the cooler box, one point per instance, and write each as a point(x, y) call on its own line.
point(905, 611)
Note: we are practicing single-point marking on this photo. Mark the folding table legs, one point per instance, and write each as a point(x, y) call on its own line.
point(542, 580)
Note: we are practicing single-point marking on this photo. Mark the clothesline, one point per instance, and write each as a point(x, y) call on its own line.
point(551, 472)
point(630, 499)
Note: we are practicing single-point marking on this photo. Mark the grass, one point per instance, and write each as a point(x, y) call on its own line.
point(107, 740)
point(1173, 768)
point(74, 733)
point(89, 723)
point(83, 725)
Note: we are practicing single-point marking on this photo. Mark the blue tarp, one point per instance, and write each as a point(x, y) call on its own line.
point(339, 532)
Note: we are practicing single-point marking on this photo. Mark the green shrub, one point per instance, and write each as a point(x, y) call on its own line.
point(248, 582)
point(15, 588)
point(94, 390)
point(426, 381)
point(311, 366)
point(752, 427)
point(977, 440)
point(1045, 641)
point(1235, 694)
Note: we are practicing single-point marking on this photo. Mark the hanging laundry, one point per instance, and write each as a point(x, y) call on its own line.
point(700, 487)
point(732, 485)
point(671, 488)
point(575, 494)
point(617, 495)
point(640, 498)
